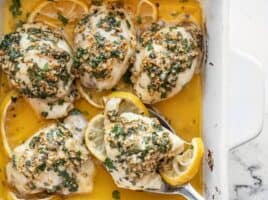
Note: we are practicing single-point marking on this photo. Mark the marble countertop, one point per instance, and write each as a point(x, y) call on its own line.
point(248, 163)
point(248, 166)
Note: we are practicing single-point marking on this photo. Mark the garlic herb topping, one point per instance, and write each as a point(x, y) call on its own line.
point(104, 44)
point(166, 60)
point(38, 61)
point(54, 160)
point(136, 146)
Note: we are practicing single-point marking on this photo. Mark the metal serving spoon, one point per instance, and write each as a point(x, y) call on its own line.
point(186, 190)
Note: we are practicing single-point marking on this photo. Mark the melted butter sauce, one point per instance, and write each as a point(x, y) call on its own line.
point(183, 111)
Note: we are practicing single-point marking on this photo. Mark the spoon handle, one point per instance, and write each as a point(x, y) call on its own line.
point(190, 193)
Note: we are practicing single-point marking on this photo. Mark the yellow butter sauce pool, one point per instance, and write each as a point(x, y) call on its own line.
point(183, 110)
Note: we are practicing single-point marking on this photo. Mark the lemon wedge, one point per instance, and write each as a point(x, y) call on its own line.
point(182, 168)
point(59, 13)
point(146, 12)
point(131, 103)
point(94, 137)
point(6, 102)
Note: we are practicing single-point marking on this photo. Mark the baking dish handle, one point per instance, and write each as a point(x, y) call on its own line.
point(245, 98)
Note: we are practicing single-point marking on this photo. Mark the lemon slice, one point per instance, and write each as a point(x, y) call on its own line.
point(146, 12)
point(131, 103)
point(50, 11)
point(6, 102)
point(94, 137)
point(95, 98)
point(182, 168)
point(59, 13)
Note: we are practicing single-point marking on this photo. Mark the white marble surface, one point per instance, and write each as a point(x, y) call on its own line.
point(248, 164)
point(249, 169)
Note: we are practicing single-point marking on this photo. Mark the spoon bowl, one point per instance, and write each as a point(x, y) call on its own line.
point(186, 190)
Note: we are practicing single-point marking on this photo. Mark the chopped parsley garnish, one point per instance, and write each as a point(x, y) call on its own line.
point(77, 57)
point(60, 102)
point(8, 44)
point(97, 2)
point(109, 22)
point(34, 141)
point(58, 132)
point(68, 181)
point(57, 164)
point(75, 111)
point(34, 31)
point(45, 68)
point(109, 164)
point(13, 54)
point(115, 53)
point(128, 24)
point(116, 195)
point(96, 61)
point(44, 114)
point(99, 39)
point(42, 166)
point(139, 20)
point(150, 46)
point(9, 40)
point(15, 8)
point(63, 19)
point(118, 130)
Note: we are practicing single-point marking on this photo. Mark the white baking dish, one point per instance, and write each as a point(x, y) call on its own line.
point(233, 98)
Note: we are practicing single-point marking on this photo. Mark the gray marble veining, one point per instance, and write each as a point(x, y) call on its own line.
point(248, 169)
